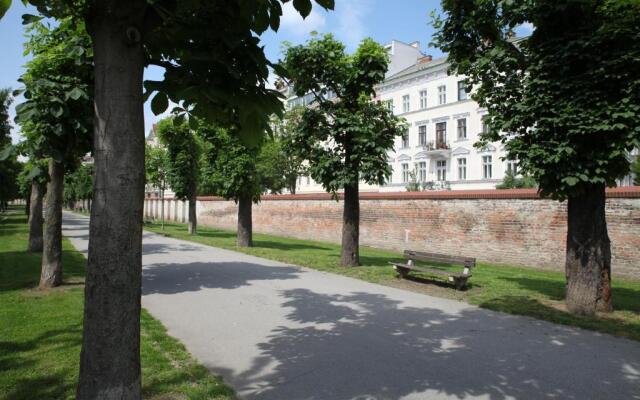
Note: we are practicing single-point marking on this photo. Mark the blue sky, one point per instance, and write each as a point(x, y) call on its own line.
point(350, 22)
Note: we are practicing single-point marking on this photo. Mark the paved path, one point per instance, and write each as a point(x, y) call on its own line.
point(281, 332)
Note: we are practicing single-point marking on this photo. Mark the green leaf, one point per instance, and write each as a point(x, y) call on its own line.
point(29, 18)
point(4, 7)
point(35, 171)
point(159, 103)
point(57, 110)
point(75, 93)
point(303, 7)
point(327, 4)
point(7, 152)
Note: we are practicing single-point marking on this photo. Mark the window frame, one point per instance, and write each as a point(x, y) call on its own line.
point(442, 94)
point(487, 167)
point(462, 167)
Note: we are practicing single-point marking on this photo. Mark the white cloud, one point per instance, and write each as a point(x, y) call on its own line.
point(351, 16)
point(293, 23)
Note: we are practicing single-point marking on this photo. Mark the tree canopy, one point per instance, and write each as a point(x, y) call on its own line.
point(183, 156)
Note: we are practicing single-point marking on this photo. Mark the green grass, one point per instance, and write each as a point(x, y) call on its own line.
point(41, 332)
point(522, 291)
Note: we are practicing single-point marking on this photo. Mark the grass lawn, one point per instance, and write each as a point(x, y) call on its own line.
point(41, 332)
point(522, 291)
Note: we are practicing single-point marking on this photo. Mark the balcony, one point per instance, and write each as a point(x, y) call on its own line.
point(438, 148)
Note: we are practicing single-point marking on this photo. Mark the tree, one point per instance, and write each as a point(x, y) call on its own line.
point(635, 169)
point(35, 178)
point(9, 165)
point(346, 138)
point(78, 186)
point(156, 163)
point(56, 119)
point(292, 163)
point(216, 68)
point(566, 104)
point(183, 163)
point(233, 174)
point(510, 181)
point(413, 185)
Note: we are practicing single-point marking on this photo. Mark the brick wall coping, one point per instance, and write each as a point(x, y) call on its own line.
point(619, 192)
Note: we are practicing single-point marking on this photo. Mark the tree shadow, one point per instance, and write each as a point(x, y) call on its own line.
point(270, 244)
point(171, 278)
point(369, 346)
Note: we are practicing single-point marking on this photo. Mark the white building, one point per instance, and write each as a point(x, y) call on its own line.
point(443, 121)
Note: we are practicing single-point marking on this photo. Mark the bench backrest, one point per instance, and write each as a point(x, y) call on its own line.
point(468, 262)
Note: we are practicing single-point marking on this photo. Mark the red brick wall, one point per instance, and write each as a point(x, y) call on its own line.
point(503, 227)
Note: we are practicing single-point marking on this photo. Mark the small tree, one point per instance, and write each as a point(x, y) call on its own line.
point(233, 174)
point(156, 164)
point(413, 185)
point(56, 119)
point(292, 163)
point(183, 162)
point(9, 166)
point(635, 169)
point(78, 186)
point(346, 138)
point(566, 104)
point(510, 181)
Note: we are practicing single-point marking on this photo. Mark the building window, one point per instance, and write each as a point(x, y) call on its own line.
point(422, 171)
point(462, 169)
point(462, 92)
point(441, 135)
point(442, 94)
point(422, 135)
point(389, 104)
point(405, 140)
point(485, 125)
point(308, 180)
point(405, 103)
point(423, 99)
point(486, 167)
point(512, 166)
point(441, 170)
point(462, 128)
point(405, 173)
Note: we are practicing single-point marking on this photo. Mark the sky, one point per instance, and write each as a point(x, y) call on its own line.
point(350, 22)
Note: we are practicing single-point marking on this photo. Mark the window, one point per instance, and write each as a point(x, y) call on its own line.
point(512, 166)
point(486, 167)
point(389, 104)
point(423, 99)
point(405, 173)
point(405, 140)
point(308, 180)
point(422, 171)
point(462, 169)
point(442, 94)
point(462, 128)
point(462, 92)
point(441, 135)
point(441, 170)
point(405, 103)
point(485, 125)
point(422, 135)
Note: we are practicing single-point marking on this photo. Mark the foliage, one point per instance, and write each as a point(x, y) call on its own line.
point(156, 164)
point(9, 166)
point(183, 157)
point(346, 138)
point(635, 169)
point(510, 181)
point(230, 165)
point(292, 163)
point(271, 164)
point(413, 185)
point(566, 100)
point(57, 115)
point(78, 184)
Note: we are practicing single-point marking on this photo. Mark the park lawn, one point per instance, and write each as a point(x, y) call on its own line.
point(514, 290)
point(41, 332)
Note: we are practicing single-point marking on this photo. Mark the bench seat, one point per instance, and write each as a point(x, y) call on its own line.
point(459, 279)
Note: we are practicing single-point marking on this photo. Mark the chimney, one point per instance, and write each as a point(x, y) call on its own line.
point(425, 59)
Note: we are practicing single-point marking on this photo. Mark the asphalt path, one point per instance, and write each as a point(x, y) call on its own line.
point(277, 331)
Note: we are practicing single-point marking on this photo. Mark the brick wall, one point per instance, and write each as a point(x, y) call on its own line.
point(513, 227)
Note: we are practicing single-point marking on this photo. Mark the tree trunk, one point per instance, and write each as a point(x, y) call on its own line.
point(588, 264)
point(193, 218)
point(110, 357)
point(51, 272)
point(245, 229)
point(35, 217)
point(162, 210)
point(350, 227)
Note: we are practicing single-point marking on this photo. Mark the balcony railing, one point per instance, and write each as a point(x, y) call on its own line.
point(436, 145)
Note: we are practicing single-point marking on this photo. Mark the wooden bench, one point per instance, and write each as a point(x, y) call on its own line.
point(458, 279)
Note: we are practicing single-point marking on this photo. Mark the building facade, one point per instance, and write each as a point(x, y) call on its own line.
point(437, 151)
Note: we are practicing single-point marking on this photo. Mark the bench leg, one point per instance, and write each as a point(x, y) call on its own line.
point(461, 283)
point(403, 272)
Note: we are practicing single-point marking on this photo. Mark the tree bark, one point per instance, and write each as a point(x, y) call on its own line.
point(51, 271)
point(350, 256)
point(110, 357)
point(588, 263)
point(193, 217)
point(245, 227)
point(35, 217)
